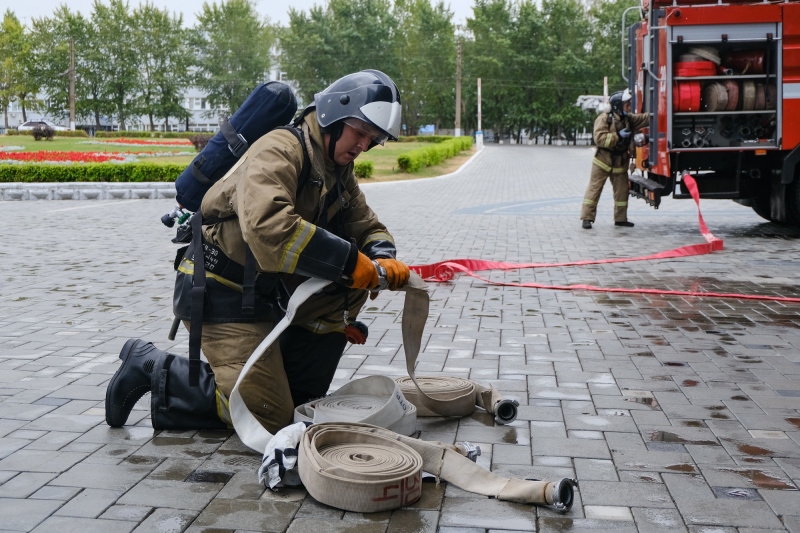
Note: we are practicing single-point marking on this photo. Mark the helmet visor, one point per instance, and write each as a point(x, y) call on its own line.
point(375, 135)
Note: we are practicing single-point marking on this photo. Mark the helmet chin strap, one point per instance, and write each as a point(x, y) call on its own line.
point(335, 131)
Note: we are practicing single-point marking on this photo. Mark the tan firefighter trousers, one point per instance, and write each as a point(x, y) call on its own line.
point(265, 390)
point(619, 184)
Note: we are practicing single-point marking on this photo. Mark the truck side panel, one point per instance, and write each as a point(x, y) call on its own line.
point(791, 76)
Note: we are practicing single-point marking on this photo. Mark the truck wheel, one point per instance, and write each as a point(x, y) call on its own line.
point(761, 207)
point(793, 202)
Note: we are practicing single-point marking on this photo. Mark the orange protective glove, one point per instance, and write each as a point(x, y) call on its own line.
point(397, 273)
point(365, 275)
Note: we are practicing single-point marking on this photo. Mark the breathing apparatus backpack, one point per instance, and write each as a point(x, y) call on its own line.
point(272, 105)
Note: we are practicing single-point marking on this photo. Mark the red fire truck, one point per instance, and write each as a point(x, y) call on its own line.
point(721, 83)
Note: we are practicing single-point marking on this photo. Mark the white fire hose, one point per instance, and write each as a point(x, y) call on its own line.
point(393, 411)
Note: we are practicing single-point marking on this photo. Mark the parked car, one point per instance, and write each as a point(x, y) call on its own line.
point(28, 126)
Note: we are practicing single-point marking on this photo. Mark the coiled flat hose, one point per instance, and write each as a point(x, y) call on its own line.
point(353, 466)
point(457, 397)
point(365, 469)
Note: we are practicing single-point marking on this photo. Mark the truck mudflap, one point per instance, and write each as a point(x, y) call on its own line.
point(648, 190)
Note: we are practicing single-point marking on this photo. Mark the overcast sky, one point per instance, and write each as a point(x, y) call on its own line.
point(276, 9)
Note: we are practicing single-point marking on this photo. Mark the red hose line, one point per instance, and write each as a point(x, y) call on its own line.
point(445, 270)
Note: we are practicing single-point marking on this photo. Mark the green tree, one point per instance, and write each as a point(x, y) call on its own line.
point(51, 65)
point(233, 46)
point(525, 107)
point(428, 64)
point(487, 54)
point(15, 63)
point(120, 67)
point(606, 19)
point(346, 36)
point(567, 37)
point(165, 58)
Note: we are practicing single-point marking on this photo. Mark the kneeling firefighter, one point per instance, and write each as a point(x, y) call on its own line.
point(289, 209)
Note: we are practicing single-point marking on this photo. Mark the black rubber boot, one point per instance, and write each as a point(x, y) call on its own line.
point(587, 224)
point(310, 361)
point(174, 404)
point(132, 380)
point(624, 223)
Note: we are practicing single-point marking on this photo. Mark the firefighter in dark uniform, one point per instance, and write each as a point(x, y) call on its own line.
point(322, 229)
point(612, 135)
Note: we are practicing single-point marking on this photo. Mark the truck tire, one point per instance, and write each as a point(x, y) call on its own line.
point(793, 202)
point(761, 207)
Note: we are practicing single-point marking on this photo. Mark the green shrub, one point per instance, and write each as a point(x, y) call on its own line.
point(364, 169)
point(93, 172)
point(68, 133)
point(200, 140)
point(424, 138)
point(43, 132)
point(76, 133)
point(433, 155)
point(151, 134)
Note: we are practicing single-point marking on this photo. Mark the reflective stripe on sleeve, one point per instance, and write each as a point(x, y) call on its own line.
point(298, 242)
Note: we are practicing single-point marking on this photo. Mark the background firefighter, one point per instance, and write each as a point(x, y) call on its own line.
point(612, 135)
point(262, 214)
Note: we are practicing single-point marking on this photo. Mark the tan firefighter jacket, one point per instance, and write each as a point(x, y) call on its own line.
point(306, 233)
point(613, 153)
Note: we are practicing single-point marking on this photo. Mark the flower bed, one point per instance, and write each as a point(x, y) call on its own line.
point(146, 142)
point(61, 157)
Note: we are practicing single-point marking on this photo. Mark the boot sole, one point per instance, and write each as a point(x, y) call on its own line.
point(124, 355)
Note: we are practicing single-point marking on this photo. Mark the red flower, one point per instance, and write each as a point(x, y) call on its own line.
point(165, 142)
point(77, 157)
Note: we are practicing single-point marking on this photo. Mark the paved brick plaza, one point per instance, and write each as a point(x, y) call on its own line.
point(674, 413)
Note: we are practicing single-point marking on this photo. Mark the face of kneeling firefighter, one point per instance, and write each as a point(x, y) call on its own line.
point(350, 248)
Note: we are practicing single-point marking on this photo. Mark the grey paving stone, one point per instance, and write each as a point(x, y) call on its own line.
point(625, 494)
point(155, 493)
point(24, 515)
point(247, 515)
point(406, 521)
point(657, 520)
point(469, 512)
point(783, 502)
point(24, 484)
point(166, 520)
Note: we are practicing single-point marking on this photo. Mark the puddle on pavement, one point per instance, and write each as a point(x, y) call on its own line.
point(510, 436)
point(209, 476)
point(666, 436)
point(690, 383)
point(795, 421)
point(740, 398)
point(753, 450)
point(675, 363)
point(243, 461)
point(681, 468)
point(763, 480)
point(693, 423)
point(652, 402)
point(141, 460)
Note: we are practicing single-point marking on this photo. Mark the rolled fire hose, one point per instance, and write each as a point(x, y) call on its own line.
point(365, 469)
point(415, 312)
point(372, 400)
point(459, 397)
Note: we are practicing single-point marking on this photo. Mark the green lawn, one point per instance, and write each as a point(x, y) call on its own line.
point(383, 157)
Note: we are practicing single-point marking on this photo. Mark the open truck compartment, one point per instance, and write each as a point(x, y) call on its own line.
point(726, 89)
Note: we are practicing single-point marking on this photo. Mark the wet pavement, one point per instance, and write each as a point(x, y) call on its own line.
point(675, 413)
